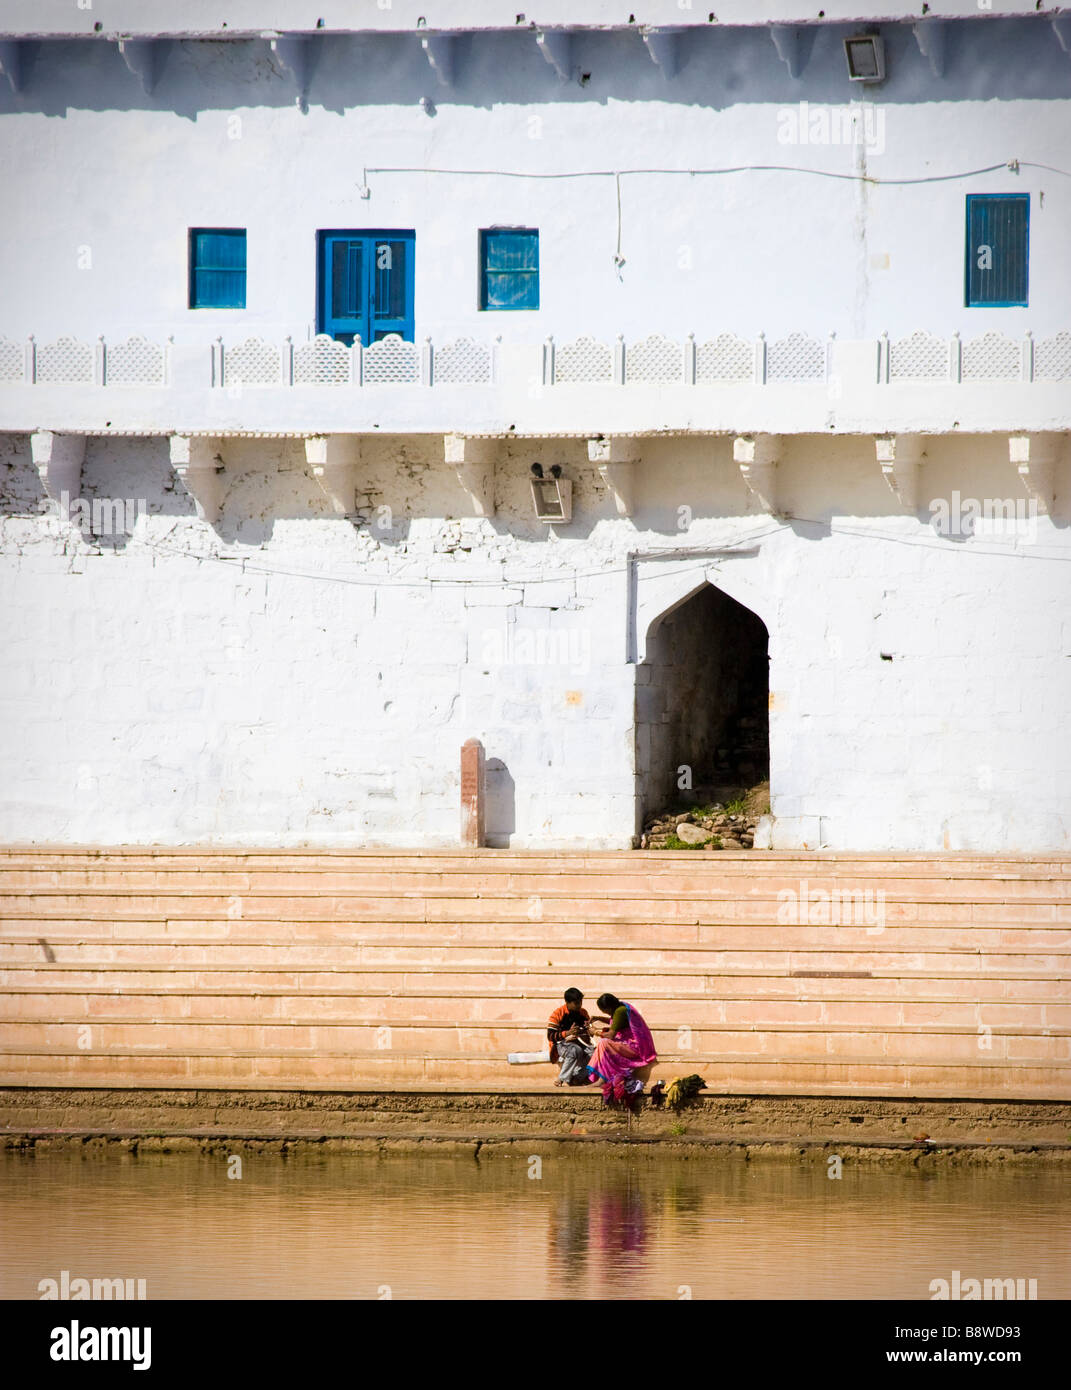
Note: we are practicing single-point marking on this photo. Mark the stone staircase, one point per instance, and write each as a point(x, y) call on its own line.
point(394, 970)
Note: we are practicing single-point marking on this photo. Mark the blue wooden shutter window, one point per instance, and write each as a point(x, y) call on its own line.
point(366, 284)
point(217, 268)
point(998, 243)
point(509, 270)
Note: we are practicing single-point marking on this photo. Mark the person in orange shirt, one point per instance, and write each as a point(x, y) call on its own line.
point(570, 1039)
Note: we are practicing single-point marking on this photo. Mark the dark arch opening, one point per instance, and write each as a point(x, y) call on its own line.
point(702, 702)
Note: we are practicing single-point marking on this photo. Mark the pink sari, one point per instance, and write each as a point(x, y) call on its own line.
point(616, 1058)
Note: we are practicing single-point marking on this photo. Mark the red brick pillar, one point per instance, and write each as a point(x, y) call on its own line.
point(472, 783)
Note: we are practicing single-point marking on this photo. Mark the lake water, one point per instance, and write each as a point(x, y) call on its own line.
point(584, 1226)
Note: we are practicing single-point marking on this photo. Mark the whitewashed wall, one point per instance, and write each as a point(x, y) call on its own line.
point(109, 180)
point(294, 678)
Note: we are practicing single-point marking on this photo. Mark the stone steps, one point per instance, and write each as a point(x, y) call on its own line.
point(842, 958)
point(774, 1073)
point(376, 968)
point(311, 893)
point(125, 982)
point(524, 1011)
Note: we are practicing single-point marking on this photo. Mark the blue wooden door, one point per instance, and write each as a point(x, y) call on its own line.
point(365, 285)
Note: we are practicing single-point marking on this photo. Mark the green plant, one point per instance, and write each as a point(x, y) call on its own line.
point(736, 807)
point(718, 842)
point(673, 843)
point(678, 1129)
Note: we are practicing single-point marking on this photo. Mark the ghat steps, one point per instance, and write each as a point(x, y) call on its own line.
point(394, 969)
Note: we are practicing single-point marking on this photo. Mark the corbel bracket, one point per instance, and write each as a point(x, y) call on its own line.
point(145, 58)
point(198, 465)
point(898, 458)
point(616, 459)
point(793, 44)
point(58, 459)
point(334, 461)
point(664, 49)
point(556, 46)
point(292, 53)
point(1034, 457)
point(931, 35)
point(440, 49)
point(473, 462)
point(13, 62)
point(756, 456)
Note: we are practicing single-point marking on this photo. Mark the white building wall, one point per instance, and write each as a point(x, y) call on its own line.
point(291, 676)
point(110, 180)
point(295, 678)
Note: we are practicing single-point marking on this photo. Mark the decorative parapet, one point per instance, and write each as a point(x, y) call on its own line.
point(992, 357)
point(137, 362)
point(920, 357)
point(655, 360)
point(14, 361)
point(725, 358)
point(464, 362)
point(67, 361)
point(797, 358)
point(652, 361)
point(323, 362)
point(1052, 358)
point(583, 360)
point(251, 363)
point(390, 360)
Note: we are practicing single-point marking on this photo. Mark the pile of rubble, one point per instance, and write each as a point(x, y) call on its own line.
point(719, 826)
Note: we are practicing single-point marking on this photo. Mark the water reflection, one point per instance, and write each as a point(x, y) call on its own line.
point(588, 1226)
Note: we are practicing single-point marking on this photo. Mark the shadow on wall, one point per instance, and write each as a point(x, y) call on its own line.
point(404, 494)
point(500, 806)
point(986, 59)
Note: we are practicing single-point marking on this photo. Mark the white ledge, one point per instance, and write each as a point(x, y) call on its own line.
point(472, 387)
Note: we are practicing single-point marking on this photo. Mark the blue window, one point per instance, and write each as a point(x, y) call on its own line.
point(509, 269)
point(365, 285)
point(217, 268)
point(998, 242)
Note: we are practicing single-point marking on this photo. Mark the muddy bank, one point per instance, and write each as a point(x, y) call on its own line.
point(163, 1120)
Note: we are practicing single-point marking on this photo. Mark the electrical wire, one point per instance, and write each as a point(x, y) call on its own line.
point(249, 566)
point(1014, 165)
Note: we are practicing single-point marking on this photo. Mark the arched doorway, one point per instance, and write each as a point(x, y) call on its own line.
point(702, 703)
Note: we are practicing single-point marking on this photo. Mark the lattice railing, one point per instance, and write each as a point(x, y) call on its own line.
point(796, 358)
point(656, 360)
point(584, 360)
point(12, 361)
point(464, 362)
point(137, 362)
point(1052, 358)
point(652, 361)
point(65, 361)
point(391, 360)
point(992, 357)
point(323, 362)
point(920, 357)
point(725, 358)
point(252, 363)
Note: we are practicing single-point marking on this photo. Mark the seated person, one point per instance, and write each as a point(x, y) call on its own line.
point(570, 1040)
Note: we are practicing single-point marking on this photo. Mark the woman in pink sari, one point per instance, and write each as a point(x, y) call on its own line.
point(625, 1047)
